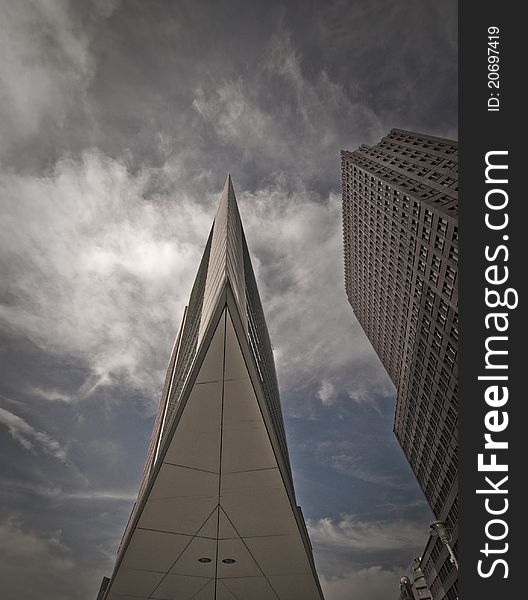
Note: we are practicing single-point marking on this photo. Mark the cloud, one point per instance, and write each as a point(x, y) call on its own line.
point(49, 63)
point(372, 583)
point(232, 110)
point(98, 271)
point(299, 265)
point(296, 133)
point(101, 495)
point(326, 392)
point(27, 436)
point(115, 138)
point(36, 566)
point(354, 465)
point(390, 69)
point(60, 494)
point(45, 67)
point(50, 395)
point(364, 457)
point(317, 103)
point(348, 533)
point(102, 269)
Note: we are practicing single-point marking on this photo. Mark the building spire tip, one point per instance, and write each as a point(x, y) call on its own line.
point(229, 185)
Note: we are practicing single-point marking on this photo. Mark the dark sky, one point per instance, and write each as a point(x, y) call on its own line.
point(118, 124)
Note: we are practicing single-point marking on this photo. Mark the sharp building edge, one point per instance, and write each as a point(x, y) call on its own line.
point(216, 516)
point(400, 234)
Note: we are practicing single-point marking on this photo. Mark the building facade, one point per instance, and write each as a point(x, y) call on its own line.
point(413, 585)
point(400, 233)
point(216, 516)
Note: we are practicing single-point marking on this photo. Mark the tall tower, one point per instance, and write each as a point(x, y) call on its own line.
point(400, 231)
point(216, 516)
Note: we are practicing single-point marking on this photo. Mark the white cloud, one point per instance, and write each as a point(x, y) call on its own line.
point(354, 465)
point(99, 269)
point(349, 533)
point(60, 495)
point(326, 392)
point(235, 114)
point(50, 395)
point(96, 271)
point(36, 566)
point(372, 583)
point(45, 66)
point(297, 138)
point(319, 103)
point(104, 495)
point(96, 262)
point(27, 436)
point(299, 263)
point(351, 458)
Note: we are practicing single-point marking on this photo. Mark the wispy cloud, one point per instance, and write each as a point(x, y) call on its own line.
point(103, 267)
point(85, 494)
point(111, 163)
point(46, 66)
point(40, 555)
point(29, 438)
point(298, 259)
point(101, 495)
point(326, 392)
point(349, 533)
point(354, 465)
point(297, 140)
point(59, 494)
point(98, 272)
point(372, 583)
point(360, 459)
point(50, 395)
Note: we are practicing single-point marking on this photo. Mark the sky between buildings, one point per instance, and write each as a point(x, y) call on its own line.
point(118, 124)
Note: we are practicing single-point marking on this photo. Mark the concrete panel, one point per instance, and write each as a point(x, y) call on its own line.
point(235, 366)
point(244, 565)
point(180, 587)
point(207, 593)
point(279, 555)
point(181, 500)
point(245, 444)
point(257, 504)
point(251, 588)
point(222, 593)
point(225, 529)
point(293, 587)
point(125, 597)
point(154, 550)
point(191, 561)
point(210, 528)
point(134, 582)
point(212, 368)
point(196, 441)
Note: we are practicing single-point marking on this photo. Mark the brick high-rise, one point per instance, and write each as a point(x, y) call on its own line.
point(400, 226)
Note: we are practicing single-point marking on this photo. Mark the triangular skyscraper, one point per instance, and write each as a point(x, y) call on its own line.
point(216, 516)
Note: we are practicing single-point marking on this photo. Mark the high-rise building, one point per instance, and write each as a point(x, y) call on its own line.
point(413, 585)
point(400, 230)
point(216, 516)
